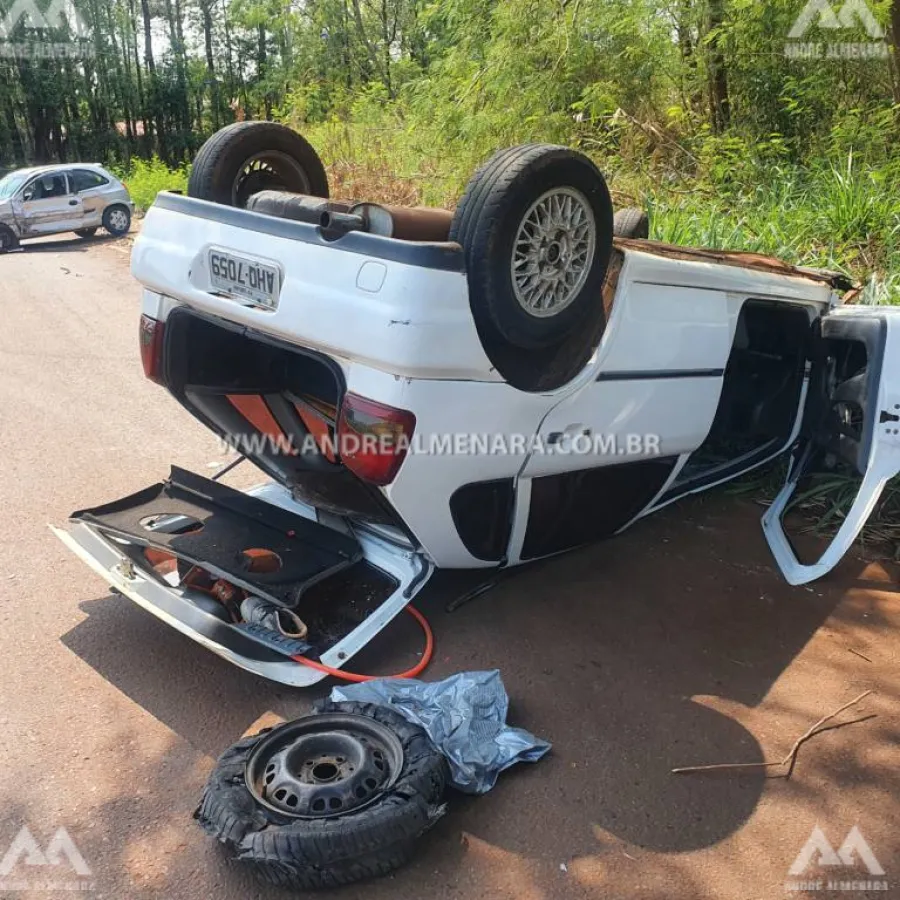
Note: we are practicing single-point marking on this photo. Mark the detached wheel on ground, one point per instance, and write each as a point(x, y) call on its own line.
point(536, 228)
point(86, 233)
point(8, 239)
point(327, 799)
point(631, 223)
point(117, 220)
point(247, 157)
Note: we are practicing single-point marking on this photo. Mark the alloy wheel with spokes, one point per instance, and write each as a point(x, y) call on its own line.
point(553, 251)
point(270, 170)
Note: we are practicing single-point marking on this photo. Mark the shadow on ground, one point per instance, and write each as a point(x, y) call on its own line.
point(632, 657)
point(66, 244)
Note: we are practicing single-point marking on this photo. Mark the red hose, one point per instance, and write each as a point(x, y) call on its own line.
point(417, 669)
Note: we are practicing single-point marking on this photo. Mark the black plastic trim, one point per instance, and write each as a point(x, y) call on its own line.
point(483, 514)
point(574, 508)
point(653, 374)
point(446, 257)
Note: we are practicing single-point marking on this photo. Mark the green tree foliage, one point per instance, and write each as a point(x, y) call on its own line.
point(698, 98)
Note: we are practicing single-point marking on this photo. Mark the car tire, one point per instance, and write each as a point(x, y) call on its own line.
point(117, 220)
point(86, 233)
point(8, 239)
point(330, 848)
point(631, 223)
point(245, 158)
point(539, 206)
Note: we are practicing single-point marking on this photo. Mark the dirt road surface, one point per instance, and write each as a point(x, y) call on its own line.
point(676, 644)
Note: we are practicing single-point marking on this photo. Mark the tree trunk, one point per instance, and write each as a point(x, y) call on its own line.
point(138, 69)
point(895, 43)
point(15, 135)
point(262, 66)
point(206, 10)
point(720, 106)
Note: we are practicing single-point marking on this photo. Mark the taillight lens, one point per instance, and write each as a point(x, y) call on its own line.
point(373, 439)
point(151, 340)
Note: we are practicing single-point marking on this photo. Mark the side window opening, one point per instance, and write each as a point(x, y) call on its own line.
point(85, 181)
point(46, 187)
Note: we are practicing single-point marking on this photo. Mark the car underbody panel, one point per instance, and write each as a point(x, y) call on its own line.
point(187, 550)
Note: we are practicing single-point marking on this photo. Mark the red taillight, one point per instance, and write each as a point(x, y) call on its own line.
point(373, 439)
point(151, 340)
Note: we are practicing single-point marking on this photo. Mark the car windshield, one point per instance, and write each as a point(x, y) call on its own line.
point(10, 184)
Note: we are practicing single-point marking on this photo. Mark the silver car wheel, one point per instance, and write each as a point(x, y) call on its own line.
point(118, 219)
point(553, 251)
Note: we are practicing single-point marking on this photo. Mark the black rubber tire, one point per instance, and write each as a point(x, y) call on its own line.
point(487, 220)
point(304, 854)
point(107, 224)
point(8, 239)
point(631, 223)
point(221, 159)
point(86, 233)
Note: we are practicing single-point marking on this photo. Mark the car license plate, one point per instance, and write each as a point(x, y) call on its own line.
point(243, 278)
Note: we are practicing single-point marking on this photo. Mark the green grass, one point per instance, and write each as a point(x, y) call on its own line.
point(833, 216)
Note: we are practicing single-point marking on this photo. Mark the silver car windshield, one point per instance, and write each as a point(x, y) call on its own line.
point(10, 184)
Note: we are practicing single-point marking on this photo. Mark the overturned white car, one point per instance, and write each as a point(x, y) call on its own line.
point(479, 389)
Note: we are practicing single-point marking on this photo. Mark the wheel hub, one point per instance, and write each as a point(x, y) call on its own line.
point(553, 251)
point(326, 765)
point(271, 170)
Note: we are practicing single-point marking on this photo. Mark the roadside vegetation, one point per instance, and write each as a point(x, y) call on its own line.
point(146, 178)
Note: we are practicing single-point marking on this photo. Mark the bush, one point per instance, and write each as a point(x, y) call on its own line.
point(146, 179)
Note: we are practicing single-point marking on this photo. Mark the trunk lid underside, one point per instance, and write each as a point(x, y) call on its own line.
point(189, 550)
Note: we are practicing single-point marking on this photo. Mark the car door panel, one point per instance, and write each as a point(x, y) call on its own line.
point(655, 386)
point(665, 328)
point(47, 206)
point(614, 421)
point(91, 188)
point(851, 424)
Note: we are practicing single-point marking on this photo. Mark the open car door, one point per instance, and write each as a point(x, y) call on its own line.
point(851, 428)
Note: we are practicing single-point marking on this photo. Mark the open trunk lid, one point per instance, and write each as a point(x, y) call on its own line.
point(188, 551)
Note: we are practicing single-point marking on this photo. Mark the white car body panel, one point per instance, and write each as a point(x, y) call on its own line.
point(416, 324)
point(402, 333)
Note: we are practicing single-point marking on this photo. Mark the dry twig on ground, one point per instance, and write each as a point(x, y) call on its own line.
point(791, 759)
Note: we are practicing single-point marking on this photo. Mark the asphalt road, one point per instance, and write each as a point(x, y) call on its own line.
point(676, 644)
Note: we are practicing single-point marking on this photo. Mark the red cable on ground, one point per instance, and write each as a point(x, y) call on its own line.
point(410, 673)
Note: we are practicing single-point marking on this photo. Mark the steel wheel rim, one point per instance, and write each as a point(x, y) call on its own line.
point(269, 170)
point(324, 766)
point(118, 220)
point(553, 251)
